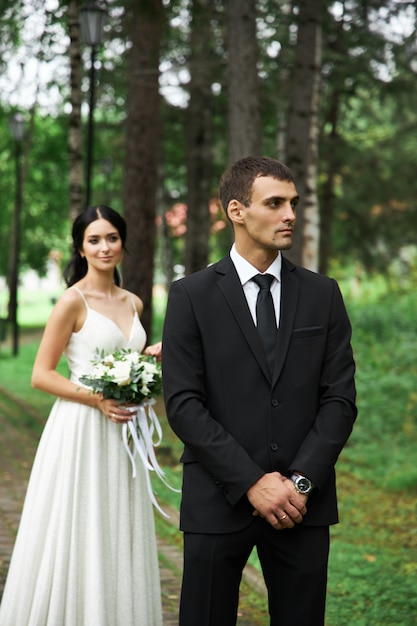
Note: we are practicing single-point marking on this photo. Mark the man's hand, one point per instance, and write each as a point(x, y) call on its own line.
point(274, 498)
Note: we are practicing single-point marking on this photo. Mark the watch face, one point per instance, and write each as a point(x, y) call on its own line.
point(303, 485)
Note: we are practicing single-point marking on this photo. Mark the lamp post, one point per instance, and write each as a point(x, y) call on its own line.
point(92, 20)
point(17, 128)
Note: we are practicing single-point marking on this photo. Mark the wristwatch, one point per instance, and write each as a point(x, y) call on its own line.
point(302, 484)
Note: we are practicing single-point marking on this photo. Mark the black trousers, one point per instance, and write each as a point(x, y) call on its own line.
point(294, 564)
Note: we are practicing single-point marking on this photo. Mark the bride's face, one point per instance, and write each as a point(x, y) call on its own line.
point(102, 245)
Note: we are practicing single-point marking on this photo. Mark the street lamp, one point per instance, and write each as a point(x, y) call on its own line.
point(92, 19)
point(17, 129)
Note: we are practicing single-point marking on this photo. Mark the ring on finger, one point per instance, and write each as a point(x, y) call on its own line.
point(281, 519)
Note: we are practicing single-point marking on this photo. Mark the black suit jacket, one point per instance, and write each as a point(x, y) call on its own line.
point(237, 423)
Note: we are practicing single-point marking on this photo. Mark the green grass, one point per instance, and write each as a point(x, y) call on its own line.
point(373, 559)
point(34, 307)
point(373, 563)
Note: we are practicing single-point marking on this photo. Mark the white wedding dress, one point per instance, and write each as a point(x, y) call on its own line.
point(85, 553)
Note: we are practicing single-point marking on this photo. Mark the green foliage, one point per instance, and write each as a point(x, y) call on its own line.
point(385, 344)
point(10, 16)
point(373, 560)
point(368, 143)
point(44, 221)
point(374, 203)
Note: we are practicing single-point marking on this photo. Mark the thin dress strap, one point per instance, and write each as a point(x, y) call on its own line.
point(83, 297)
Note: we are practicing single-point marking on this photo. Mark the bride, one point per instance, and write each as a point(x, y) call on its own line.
point(86, 551)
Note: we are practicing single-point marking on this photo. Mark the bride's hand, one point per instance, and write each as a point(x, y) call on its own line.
point(115, 412)
point(154, 350)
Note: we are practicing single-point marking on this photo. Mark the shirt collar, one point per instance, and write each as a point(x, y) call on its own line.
point(246, 271)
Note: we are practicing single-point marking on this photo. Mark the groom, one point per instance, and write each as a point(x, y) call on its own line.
point(261, 441)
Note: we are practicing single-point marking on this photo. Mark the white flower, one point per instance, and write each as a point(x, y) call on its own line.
point(144, 389)
point(108, 360)
point(148, 372)
point(121, 373)
point(100, 370)
point(133, 357)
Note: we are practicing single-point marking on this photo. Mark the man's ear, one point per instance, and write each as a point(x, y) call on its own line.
point(235, 211)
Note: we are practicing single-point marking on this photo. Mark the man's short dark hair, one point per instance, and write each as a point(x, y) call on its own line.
point(236, 182)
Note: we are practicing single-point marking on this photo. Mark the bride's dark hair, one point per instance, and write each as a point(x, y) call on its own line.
point(77, 266)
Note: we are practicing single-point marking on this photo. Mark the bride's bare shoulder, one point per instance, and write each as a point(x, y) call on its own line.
point(71, 297)
point(132, 297)
point(70, 304)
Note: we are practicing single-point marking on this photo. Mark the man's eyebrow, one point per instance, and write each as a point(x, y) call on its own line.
point(281, 199)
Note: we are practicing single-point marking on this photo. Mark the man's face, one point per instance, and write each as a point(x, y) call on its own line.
point(270, 217)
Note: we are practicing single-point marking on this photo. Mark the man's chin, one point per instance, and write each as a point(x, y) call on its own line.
point(286, 245)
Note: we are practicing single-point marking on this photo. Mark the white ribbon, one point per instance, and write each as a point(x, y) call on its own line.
point(142, 427)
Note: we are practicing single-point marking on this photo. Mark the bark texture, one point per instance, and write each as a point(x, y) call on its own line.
point(303, 132)
point(243, 83)
point(76, 201)
point(143, 23)
point(199, 138)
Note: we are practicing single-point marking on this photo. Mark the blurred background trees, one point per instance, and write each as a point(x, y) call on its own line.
point(184, 87)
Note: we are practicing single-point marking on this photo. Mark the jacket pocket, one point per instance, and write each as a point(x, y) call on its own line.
point(308, 331)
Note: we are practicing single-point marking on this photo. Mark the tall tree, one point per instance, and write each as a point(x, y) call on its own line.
point(76, 202)
point(368, 87)
point(199, 134)
point(243, 83)
point(303, 131)
point(143, 23)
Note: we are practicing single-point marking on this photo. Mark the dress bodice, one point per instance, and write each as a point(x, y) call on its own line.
point(99, 331)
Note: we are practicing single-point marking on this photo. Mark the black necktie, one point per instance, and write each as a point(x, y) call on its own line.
point(265, 316)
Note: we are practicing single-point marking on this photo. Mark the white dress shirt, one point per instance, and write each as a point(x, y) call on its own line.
point(246, 272)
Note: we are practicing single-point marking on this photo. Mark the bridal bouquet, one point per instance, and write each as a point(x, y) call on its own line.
point(135, 380)
point(126, 376)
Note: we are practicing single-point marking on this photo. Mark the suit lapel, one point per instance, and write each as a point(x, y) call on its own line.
point(231, 288)
point(289, 299)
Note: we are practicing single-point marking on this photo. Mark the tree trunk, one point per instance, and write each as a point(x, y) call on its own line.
point(199, 133)
point(143, 21)
point(243, 84)
point(76, 202)
point(327, 204)
point(331, 159)
point(303, 133)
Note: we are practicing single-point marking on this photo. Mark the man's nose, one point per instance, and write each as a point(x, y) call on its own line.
point(289, 214)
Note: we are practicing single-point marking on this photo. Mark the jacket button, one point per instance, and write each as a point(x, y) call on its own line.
point(274, 447)
point(274, 402)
